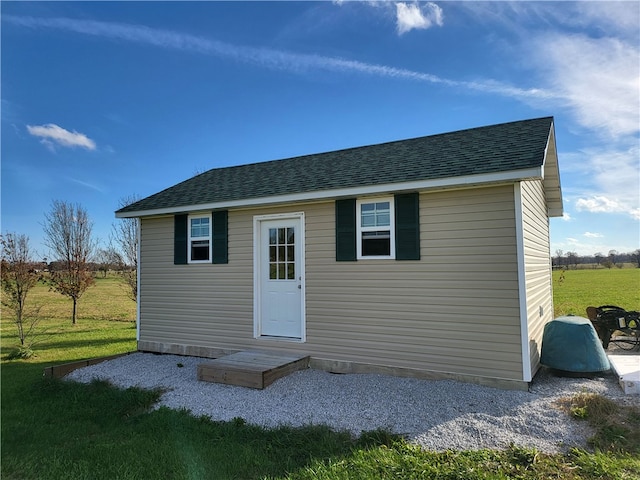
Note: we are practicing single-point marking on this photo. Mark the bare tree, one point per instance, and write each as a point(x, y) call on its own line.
point(124, 242)
point(598, 257)
point(19, 275)
point(107, 259)
point(636, 257)
point(559, 254)
point(68, 233)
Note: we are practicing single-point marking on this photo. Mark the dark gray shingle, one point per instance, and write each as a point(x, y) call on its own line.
point(484, 150)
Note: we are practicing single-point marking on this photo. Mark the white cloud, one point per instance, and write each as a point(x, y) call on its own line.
point(88, 185)
point(622, 16)
point(412, 16)
point(593, 74)
point(593, 235)
point(598, 203)
point(609, 180)
point(52, 135)
point(265, 57)
point(596, 78)
point(566, 217)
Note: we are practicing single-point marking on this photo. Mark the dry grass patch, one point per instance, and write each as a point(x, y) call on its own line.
point(617, 427)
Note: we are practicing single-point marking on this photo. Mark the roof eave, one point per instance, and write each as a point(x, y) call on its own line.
point(419, 185)
point(551, 177)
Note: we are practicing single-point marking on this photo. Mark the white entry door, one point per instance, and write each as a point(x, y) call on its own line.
point(279, 308)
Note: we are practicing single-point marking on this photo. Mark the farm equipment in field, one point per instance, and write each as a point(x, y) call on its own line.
point(610, 319)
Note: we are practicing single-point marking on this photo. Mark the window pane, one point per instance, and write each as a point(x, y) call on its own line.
point(375, 214)
point(290, 254)
point(376, 243)
point(200, 227)
point(195, 227)
point(291, 271)
point(383, 220)
point(281, 257)
point(368, 207)
point(272, 254)
point(290, 236)
point(272, 236)
point(200, 250)
point(281, 271)
point(368, 220)
point(281, 235)
point(273, 272)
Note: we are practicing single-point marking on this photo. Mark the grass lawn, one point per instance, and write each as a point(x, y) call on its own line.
point(53, 429)
point(575, 290)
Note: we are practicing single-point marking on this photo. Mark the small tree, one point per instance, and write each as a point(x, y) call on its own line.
point(67, 231)
point(124, 235)
point(598, 256)
point(106, 260)
point(19, 275)
point(573, 259)
point(559, 254)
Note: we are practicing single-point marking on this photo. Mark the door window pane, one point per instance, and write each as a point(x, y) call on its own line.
point(282, 254)
point(291, 271)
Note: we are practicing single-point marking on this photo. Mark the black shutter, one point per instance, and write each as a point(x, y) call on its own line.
point(220, 236)
point(346, 230)
point(180, 240)
point(407, 226)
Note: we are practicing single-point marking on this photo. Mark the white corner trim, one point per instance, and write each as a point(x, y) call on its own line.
point(387, 188)
point(138, 267)
point(522, 285)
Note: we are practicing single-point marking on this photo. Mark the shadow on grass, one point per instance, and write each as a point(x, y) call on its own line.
point(71, 344)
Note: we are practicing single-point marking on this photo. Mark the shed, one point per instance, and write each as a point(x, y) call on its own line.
point(427, 257)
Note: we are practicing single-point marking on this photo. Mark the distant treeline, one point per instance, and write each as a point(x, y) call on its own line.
point(613, 259)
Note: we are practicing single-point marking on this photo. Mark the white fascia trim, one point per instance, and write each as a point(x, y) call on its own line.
point(449, 182)
point(550, 160)
point(522, 285)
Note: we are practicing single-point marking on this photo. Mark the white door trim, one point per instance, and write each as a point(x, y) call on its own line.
point(257, 270)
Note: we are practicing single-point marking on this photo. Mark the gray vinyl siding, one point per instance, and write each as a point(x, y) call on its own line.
point(537, 274)
point(456, 310)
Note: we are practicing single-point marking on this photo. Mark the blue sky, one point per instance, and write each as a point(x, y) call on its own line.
point(104, 100)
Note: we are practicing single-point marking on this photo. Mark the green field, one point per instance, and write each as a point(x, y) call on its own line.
point(54, 429)
point(575, 290)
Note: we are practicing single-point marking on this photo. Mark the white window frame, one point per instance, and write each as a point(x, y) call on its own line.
point(360, 229)
point(190, 238)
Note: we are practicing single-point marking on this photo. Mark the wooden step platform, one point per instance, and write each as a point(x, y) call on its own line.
point(251, 369)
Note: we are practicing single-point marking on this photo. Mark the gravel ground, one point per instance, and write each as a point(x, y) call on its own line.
point(438, 415)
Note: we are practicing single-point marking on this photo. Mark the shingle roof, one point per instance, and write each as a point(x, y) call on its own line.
point(484, 150)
